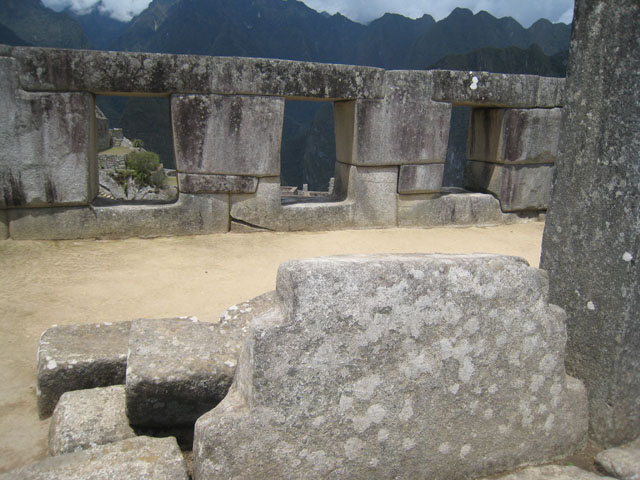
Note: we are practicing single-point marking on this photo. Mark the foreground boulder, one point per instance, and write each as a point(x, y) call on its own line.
point(623, 462)
point(553, 472)
point(77, 357)
point(414, 366)
point(139, 458)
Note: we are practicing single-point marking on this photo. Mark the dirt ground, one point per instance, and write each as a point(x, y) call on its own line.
point(44, 283)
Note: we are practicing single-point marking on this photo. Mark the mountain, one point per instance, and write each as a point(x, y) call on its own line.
point(35, 24)
point(9, 37)
point(531, 60)
point(99, 28)
point(463, 32)
point(143, 27)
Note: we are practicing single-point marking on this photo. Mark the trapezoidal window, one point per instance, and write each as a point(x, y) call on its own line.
point(135, 151)
point(308, 152)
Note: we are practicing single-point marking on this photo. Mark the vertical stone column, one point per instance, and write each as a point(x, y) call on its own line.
point(592, 236)
point(511, 154)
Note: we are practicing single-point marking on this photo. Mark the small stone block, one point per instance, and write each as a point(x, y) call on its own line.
point(86, 418)
point(177, 369)
point(553, 472)
point(196, 184)
point(622, 462)
point(138, 458)
point(420, 178)
point(78, 357)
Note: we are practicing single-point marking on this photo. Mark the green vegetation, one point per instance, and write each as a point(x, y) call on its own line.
point(144, 168)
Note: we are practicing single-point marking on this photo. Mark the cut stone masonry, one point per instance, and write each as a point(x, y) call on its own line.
point(392, 130)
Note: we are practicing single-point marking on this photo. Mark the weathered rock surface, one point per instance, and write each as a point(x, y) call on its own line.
point(4, 225)
point(420, 178)
point(139, 458)
point(590, 245)
point(231, 135)
point(45, 144)
point(193, 183)
point(497, 89)
point(397, 367)
point(553, 472)
point(177, 369)
point(85, 418)
point(77, 357)
point(623, 462)
point(133, 72)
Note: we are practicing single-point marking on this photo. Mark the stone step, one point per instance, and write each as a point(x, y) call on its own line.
point(78, 357)
point(139, 458)
point(86, 418)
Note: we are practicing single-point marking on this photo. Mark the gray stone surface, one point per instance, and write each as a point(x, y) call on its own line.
point(193, 183)
point(190, 215)
point(497, 89)
point(85, 418)
point(139, 458)
point(406, 127)
point(127, 72)
point(4, 225)
point(261, 209)
point(102, 131)
point(514, 136)
point(420, 178)
point(228, 135)
point(177, 369)
point(552, 472)
point(77, 357)
point(518, 187)
point(408, 366)
point(622, 463)
point(590, 244)
point(45, 144)
point(450, 209)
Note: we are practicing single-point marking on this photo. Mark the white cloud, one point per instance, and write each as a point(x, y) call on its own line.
point(123, 10)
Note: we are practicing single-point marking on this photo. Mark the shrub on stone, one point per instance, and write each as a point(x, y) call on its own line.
point(144, 168)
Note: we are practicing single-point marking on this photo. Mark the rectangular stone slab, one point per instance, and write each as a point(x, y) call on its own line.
point(398, 366)
point(139, 458)
point(85, 418)
point(77, 357)
point(177, 369)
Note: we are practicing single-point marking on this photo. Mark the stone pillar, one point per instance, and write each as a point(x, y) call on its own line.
point(48, 154)
point(511, 154)
point(591, 240)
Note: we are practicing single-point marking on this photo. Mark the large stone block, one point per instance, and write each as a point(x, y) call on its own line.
point(85, 418)
point(420, 178)
point(77, 357)
point(228, 135)
point(195, 184)
point(622, 463)
point(45, 140)
point(133, 72)
point(261, 209)
point(514, 136)
point(497, 89)
point(374, 193)
point(518, 187)
point(408, 366)
point(406, 127)
point(177, 369)
point(139, 458)
point(190, 215)
point(590, 244)
point(450, 209)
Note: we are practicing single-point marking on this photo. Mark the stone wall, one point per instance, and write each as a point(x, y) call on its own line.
point(392, 130)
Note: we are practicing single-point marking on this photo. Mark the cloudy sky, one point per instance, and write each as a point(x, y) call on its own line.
point(525, 11)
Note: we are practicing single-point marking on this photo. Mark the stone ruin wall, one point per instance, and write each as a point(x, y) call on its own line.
point(392, 130)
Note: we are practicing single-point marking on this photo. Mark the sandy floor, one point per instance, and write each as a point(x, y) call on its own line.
point(65, 282)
